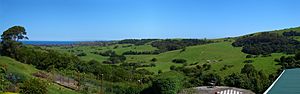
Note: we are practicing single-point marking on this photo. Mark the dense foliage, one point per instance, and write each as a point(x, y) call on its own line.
point(291, 33)
point(249, 78)
point(179, 60)
point(34, 86)
point(46, 59)
point(4, 82)
point(173, 44)
point(166, 83)
point(136, 41)
point(289, 61)
point(141, 53)
point(267, 43)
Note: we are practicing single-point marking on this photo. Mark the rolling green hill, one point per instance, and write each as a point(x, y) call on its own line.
point(217, 55)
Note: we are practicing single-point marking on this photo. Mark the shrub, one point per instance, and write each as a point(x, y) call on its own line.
point(153, 59)
point(249, 56)
point(34, 86)
point(172, 67)
point(168, 83)
point(248, 61)
point(81, 54)
point(179, 60)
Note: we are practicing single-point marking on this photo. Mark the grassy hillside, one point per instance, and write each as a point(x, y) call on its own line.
point(26, 71)
point(118, 48)
point(217, 55)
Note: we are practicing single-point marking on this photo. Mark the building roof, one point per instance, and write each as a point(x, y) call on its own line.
point(287, 83)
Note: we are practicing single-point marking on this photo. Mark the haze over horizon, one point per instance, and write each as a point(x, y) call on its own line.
point(83, 20)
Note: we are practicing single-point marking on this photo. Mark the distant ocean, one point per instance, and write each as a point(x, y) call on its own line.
point(50, 42)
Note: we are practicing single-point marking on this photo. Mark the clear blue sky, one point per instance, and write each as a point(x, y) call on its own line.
point(121, 19)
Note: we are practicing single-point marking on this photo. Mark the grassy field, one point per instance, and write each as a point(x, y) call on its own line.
point(118, 48)
point(27, 70)
point(216, 54)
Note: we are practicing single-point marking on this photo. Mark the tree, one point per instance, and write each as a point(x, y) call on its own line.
point(10, 39)
point(153, 59)
point(179, 61)
point(234, 80)
point(247, 69)
point(168, 83)
point(297, 56)
point(212, 78)
point(34, 86)
point(14, 33)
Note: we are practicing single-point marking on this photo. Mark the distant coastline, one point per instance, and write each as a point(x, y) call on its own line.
point(50, 42)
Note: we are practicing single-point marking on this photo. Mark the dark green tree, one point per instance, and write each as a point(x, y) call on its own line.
point(168, 83)
point(10, 39)
point(248, 68)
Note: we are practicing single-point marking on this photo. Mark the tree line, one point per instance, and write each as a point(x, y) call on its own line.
point(291, 33)
point(136, 41)
point(267, 43)
point(174, 44)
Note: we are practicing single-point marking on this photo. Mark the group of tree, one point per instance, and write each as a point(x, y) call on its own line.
point(175, 44)
point(249, 78)
point(137, 65)
point(155, 52)
point(166, 83)
point(267, 43)
point(291, 33)
point(136, 41)
point(288, 62)
point(181, 61)
point(114, 58)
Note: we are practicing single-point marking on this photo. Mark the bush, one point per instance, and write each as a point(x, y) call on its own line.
point(172, 67)
point(153, 59)
point(249, 56)
point(168, 83)
point(81, 54)
point(34, 86)
point(179, 60)
point(248, 61)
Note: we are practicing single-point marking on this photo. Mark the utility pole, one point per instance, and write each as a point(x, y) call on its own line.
point(101, 84)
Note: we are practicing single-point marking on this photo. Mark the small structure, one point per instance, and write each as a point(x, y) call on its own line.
point(229, 91)
point(65, 81)
point(59, 79)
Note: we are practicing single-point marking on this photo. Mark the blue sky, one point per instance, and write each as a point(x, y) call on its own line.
point(122, 19)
